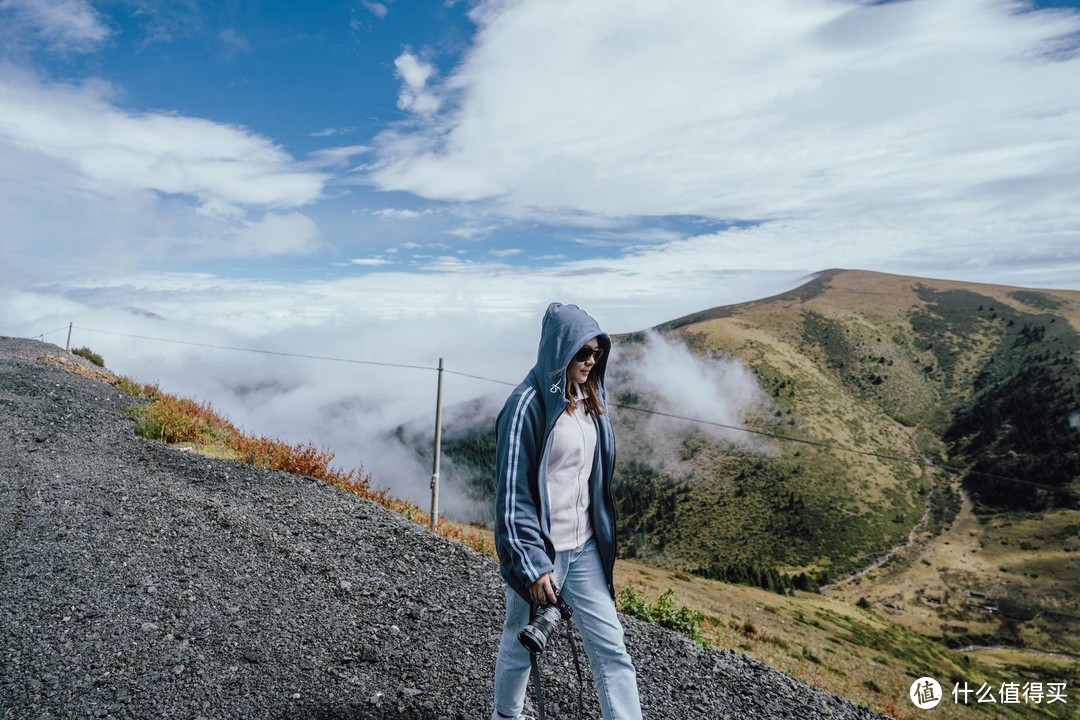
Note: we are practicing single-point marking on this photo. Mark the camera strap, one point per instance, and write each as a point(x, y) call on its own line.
point(577, 666)
point(533, 660)
point(539, 685)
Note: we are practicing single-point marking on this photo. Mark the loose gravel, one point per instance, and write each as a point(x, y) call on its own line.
point(139, 581)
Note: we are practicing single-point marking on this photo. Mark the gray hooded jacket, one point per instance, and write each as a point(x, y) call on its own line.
point(523, 436)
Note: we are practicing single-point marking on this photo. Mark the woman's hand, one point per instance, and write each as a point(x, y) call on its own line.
point(542, 591)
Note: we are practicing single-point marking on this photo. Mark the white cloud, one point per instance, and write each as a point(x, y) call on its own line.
point(400, 213)
point(330, 132)
point(743, 110)
point(63, 25)
point(274, 234)
point(370, 262)
point(905, 119)
point(410, 245)
point(110, 150)
point(447, 263)
point(88, 186)
point(507, 252)
point(414, 95)
point(676, 381)
point(233, 40)
point(336, 156)
point(375, 8)
point(413, 72)
point(641, 288)
point(471, 231)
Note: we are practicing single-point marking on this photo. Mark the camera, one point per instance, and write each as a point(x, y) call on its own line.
point(534, 636)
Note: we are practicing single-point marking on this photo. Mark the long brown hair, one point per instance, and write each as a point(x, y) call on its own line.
point(593, 406)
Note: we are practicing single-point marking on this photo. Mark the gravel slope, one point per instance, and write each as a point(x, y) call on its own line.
point(138, 581)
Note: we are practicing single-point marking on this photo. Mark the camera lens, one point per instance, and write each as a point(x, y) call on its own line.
point(534, 636)
point(532, 640)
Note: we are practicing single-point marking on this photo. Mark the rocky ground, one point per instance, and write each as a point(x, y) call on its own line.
point(139, 581)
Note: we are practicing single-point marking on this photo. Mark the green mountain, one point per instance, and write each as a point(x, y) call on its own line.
point(978, 376)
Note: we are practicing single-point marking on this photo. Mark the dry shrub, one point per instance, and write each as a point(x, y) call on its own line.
point(300, 459)
point(130, 387)
point(479, 539)
point(174, 419)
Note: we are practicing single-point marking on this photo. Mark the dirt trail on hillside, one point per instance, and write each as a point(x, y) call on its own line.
point(911, 539)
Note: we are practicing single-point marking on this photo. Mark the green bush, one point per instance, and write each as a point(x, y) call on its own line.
point(663, 612)
point(85, 352)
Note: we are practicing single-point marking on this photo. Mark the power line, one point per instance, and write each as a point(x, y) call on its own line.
point(480, 377)
point(776, 436)
point(262, 352)
point(53, 331)
point(42, 336)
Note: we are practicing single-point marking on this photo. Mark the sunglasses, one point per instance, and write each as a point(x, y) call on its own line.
point(587, 352)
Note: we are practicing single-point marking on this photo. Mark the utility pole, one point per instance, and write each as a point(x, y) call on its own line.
point(438, 452)
point(70, 325)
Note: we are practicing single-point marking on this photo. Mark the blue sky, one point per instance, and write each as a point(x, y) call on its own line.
point(301, 143)
point(298, 73)
point(409, 180)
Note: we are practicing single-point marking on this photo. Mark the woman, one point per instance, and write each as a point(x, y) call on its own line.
point(555, 519)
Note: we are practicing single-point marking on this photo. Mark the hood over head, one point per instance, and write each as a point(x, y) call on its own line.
point(566, 328)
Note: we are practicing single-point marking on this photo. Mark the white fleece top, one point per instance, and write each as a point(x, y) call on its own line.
point(570, 465)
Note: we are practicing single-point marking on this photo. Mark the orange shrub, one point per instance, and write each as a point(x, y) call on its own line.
point(301, 459)
point(173, 419)
point(479, 539)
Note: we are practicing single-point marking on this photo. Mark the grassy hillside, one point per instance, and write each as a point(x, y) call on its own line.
point(858, 650)
point(780, 506)
point(895, 366)
point(984, 374)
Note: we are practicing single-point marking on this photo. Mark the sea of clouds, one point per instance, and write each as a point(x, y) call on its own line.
point(346, 383)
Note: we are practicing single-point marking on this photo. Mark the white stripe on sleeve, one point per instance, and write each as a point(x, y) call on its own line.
point(512, 479)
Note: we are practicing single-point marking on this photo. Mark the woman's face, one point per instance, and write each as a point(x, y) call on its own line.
point(579, 369)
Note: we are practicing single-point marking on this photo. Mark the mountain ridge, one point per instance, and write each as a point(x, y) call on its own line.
point(817, 283)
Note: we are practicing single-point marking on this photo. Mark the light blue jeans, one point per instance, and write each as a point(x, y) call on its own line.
point(580, 575)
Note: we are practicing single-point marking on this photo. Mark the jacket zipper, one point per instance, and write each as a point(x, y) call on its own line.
point(577, 482)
